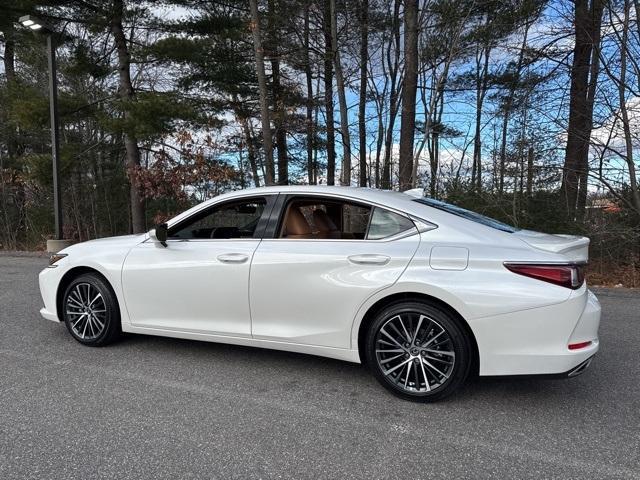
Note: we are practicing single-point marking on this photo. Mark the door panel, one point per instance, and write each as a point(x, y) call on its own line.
point(309, 291)
point(200, 281)
point(190, 285)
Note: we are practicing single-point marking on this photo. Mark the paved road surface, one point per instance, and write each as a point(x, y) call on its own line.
point(162, 408)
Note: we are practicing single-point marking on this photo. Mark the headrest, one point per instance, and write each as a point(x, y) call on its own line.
point(296, 223)
point(323, 222)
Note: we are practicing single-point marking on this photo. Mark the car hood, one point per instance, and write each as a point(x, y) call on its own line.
point(574, 247)
point(108, 242)
point(120, 240)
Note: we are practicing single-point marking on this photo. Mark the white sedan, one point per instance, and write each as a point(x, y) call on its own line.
point(423, 292)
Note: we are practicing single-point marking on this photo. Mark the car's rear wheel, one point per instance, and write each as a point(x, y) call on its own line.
point(418, 351)
point(90, 310)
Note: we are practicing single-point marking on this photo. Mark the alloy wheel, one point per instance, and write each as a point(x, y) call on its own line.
point(86, 311)
point(414, 352)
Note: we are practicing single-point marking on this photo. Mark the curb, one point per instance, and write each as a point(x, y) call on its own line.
point(23, 253)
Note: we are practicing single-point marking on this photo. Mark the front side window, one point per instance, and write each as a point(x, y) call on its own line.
point(230, 220)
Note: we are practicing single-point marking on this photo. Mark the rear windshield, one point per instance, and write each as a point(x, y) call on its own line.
point(468, 214)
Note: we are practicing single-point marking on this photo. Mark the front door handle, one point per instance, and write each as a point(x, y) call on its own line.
point(233, 258)
point(369, 259)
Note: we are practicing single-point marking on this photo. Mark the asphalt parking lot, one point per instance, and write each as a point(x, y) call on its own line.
point(152, 407)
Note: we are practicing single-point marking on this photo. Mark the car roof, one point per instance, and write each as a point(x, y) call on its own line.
point(398, 201)
point(385, 197)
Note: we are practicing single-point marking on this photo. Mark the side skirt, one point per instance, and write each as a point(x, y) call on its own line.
point(337, 353)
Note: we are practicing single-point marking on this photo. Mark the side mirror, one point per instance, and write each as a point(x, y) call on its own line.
point(159, 234)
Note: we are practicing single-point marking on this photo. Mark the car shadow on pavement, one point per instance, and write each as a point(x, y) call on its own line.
point(334, 375)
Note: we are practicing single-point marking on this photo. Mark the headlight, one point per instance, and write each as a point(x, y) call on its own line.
point(56, 257)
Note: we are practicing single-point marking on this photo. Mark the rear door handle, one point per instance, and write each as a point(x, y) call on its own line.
point(233, 258)
point(369, 259)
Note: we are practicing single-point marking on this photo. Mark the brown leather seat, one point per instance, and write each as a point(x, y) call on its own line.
point(296, 226)
point(324, 224)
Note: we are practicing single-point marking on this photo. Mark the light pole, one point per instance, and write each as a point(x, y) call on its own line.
point(40, 27)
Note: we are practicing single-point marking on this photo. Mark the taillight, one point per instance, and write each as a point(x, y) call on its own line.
point(568, 275)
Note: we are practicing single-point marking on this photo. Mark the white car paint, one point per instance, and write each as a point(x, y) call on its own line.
point(311, 296)
point(320, 286)
point(190, 281)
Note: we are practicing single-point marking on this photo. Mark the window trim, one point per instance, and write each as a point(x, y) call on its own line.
point(258, 234)
point(280, 209)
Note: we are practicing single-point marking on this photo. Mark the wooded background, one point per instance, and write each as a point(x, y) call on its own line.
point(528, 111)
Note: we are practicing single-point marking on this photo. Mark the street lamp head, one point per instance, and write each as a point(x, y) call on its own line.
point(34, 24)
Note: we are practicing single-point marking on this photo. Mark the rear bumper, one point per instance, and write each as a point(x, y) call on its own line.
point(580, 368)
point(535, 341)
point(574, 372)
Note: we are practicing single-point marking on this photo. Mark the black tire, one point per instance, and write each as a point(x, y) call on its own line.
point(105, 325)
point(445, 347)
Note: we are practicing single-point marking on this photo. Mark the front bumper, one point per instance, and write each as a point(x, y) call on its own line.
point(48, 315)
point(48, 280)
point(535, 341)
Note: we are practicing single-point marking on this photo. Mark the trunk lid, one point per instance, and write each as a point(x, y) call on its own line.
point(573, 247)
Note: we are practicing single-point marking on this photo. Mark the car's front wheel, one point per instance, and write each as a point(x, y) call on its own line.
point(90, 310)
point(418, 351)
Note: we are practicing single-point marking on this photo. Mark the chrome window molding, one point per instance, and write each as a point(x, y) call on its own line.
point(177, 219)
point(421, 224)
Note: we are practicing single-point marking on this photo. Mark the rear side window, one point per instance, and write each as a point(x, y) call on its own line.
point(320, 218)
point(325, 219)
point(386, 224)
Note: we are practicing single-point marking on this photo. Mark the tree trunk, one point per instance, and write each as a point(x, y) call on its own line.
point(316, 116)
point(379, 138)
point(437, 95)
point(393, 100)
point(362, 102)
point(588, 19)
point(503, 146)
point(281, 132)
point(251, 150)
point(342, 99)
point(409, 89)
point(598, 9)
point(434, 152)
point(507, 109)
point(328, 94)
point(636, 4)
point(309, 101)
point(9, 53)
point(380, 102)
point(126, 93)
point(433, 164)
point(276, 92)
point(264, 100)
point(530, 156)
point(482, 76)
point(624, 113)
point(243, 183)
point(9, 62)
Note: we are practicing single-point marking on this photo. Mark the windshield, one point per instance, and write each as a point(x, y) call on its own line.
point(468, 214)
